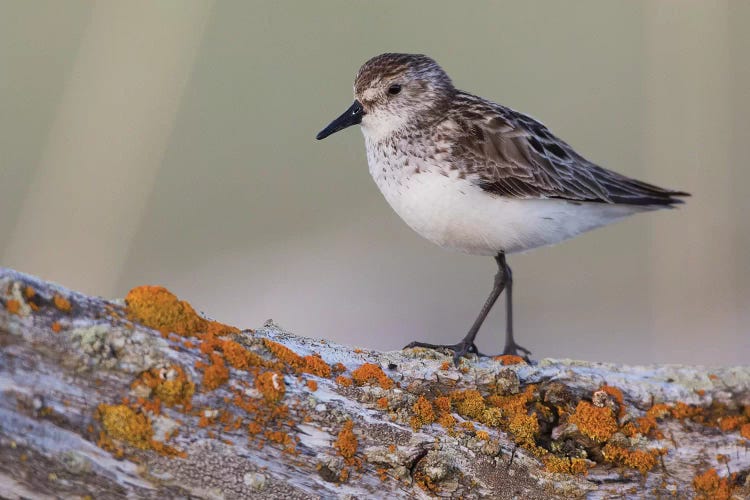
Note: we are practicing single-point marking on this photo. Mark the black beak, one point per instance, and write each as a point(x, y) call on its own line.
point(352, 116)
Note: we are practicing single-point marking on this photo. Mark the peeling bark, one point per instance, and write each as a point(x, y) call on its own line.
point(275, 426)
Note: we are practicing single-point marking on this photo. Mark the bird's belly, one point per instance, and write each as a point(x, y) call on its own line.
point(456, 214)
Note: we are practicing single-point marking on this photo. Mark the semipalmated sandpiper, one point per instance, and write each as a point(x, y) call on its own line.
point(475, 176)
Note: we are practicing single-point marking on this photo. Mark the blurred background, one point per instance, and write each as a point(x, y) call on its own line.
point(172, 143)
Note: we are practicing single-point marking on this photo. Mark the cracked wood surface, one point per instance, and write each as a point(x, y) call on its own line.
point(67, 360)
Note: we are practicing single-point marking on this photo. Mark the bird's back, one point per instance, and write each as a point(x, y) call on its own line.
point(510, 154)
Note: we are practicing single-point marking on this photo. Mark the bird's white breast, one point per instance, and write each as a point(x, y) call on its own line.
point(455, 213)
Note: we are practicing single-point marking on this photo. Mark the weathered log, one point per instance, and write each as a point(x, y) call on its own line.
point(144, 398)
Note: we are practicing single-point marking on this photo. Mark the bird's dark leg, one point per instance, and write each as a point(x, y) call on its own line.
point(510, 345)
point(466, 345)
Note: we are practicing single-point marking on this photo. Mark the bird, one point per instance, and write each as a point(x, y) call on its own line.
point(478, 177)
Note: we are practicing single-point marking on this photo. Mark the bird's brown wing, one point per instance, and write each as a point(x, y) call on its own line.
point(510, 154)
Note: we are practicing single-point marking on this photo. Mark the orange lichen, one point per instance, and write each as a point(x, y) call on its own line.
point(710, 486)
point(279, 437)
point(382, 474)
point(681, 411)
point(236, 355)
point(170, 385)
point(597, 423)
point(61, 303)
point(483, 435)
point(468, 425)
point(469, 403)
point(423, 413)
point(731, 422)
point(745, 431)
point(442, 404)
point(158, 308)
point(13, 306)
point(312, 385)
point(510, 359)
point(616, 394)
point(642, 460)
point(284, 354)
point(125, 424)
point(647, 424)
point(271, 385)
point(29, 292)
point(346, 443)
point(565, 465)
point(448, 421)
point(56, 327)
point(370, 373)
point(382, 403)
point(215, 374)
point(445, 365)
point(424, 481)
point(343, 381)
point(524, 427)
point(312, 364)
point(316, 366)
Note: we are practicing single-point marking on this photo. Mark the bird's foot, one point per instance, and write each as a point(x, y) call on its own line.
point(514, 349)
point(461, 349)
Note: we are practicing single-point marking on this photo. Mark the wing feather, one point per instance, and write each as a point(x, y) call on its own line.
point(510, 154)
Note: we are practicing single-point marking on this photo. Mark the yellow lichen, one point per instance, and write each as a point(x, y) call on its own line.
point(370, 373)
point(642, 460)
point(125, 424)
point(565, 465)
point(524, 427)
point(469, 403)
point(597, 423)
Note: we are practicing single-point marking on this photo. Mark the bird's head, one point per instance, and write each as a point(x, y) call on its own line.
point(392, 91)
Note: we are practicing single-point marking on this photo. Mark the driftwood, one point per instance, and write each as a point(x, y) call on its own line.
point(95, 403)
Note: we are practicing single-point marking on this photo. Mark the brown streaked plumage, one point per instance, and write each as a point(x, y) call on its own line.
point(478, 177)
point(516, 156)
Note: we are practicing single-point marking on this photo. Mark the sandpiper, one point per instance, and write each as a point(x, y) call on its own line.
point(475, 176)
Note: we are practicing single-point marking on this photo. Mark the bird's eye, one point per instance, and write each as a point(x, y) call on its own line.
point(394, 89)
